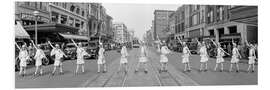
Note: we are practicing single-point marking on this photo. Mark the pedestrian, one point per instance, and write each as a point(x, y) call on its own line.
point(235, 59)
point(143, 59)
point(38, 57)
point(24, 57)
point(163, 58)
point(220, 59)
point(185, 56)
point(80, 60)
point(252, 57)
point(58, 55)
point(123, 60)
point(101, 59)
point(204, 56)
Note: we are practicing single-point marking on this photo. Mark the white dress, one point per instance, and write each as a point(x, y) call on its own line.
point(143, 55)
point(220, 55)
point(234, 56)
point(203, 54)
point(101, 58)
point(58, 55)
point(163, 57)
point(185, 55)
point(124, 55)
point(23, 56)
point(80, 53)
point(251, 56)
point(38, 57)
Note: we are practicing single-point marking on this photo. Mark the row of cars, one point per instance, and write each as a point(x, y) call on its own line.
point(69, 49)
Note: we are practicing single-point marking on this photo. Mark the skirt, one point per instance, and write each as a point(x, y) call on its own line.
point(143, 59)
point(80, 61)
point(123, 60)
point(219, 60)
point(57, 63)
point(23, 63)
point(251, 60)
point(234, 59)
point(203, 59)
point(101, 60)
point(163, 59)
point(38, 62)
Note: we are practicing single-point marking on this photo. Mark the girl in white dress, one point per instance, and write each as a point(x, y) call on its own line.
point(123, 60)
point(101, 58)
point(80, 60)
point(56, 51)
point(252, 57)
point(204, 56)
point(235, 59)
point(185, 56)
point(142, 60)
point(38, 57)
point(163, 58)
point(24, 57)
point(220, 59)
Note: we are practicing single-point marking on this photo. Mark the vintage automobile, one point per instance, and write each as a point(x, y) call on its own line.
point(193, 47)
point(70, 51)
point(92, 49)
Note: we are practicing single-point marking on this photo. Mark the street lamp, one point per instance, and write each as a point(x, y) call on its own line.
point(36, 15)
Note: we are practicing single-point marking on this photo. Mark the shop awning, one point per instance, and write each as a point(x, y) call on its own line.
point(75, 37)
point(20, 32)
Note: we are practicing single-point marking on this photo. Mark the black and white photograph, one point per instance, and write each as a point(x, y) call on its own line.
point(89, 44)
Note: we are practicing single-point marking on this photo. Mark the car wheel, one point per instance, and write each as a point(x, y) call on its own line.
point(45, 61)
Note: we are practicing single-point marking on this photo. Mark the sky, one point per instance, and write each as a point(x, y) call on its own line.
point(137, 17)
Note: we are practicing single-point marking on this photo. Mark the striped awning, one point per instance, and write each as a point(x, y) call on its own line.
point(75, 37)
point(20, 32)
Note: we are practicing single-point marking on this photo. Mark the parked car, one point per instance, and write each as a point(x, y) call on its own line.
point(193, 47)
point(92, 49)
point(70, 51)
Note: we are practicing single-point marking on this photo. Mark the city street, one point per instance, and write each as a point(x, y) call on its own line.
point(174, 77)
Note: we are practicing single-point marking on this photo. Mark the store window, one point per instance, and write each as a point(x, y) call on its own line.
point(71, 21)
point(233, 29)
point(221, 31)
point(211, 32)
point(77, 23)
point(63, 19)
point(82, 24)
point(55, 17)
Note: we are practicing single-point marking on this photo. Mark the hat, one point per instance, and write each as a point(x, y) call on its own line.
point(100, 43)
point(24, 46)
point(57, 45)
point(234, 44)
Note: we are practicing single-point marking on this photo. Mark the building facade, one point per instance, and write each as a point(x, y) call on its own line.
point(161, 25)
point(121, 33)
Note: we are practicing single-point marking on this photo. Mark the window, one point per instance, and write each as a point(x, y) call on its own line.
point(63, 19)
point(211, 32)
point(78, 11)
point(77, 23)
point(82, 24)
point(82, 13)
point(233, 29)
point(71, 21)
point(195, 19)
point(72, 8)
point(221, 31)
point(54, 17)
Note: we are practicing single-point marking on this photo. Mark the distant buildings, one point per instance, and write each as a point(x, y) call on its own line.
point(222, 23)
point(161, 24)
point(83, 19)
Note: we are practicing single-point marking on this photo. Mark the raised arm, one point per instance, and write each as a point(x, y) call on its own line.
point(74, 43)
point(34, 44)
point(18, 46)
point(51, 44)
point(213, 42)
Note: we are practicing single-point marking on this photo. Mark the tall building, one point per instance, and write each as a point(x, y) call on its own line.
point(120, 30)
point(180, 22)
point(247, 15)
point(161, 24)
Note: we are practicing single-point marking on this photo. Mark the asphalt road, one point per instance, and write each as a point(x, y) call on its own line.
point(174, 77)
